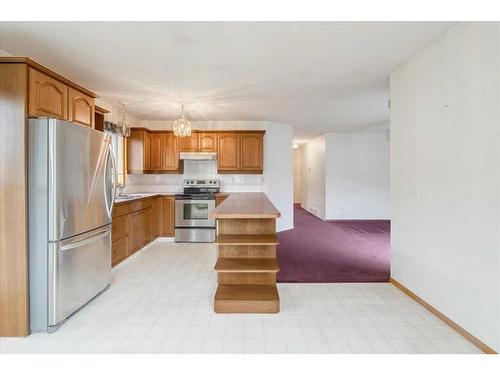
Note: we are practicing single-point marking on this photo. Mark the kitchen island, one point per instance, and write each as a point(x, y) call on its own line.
point(246, 255)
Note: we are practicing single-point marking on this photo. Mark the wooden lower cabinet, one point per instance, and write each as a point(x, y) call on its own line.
point(147, 226)
point(155, 217)
point(119, 250)
point(167, 213)
point(137, 223)
point(136, 231)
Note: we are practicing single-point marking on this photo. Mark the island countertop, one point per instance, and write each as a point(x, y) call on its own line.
point(246, 206)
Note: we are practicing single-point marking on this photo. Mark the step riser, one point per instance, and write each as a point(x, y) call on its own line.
point(246, 278)
point(246, 226)
point(252, 251)
point(252, 307)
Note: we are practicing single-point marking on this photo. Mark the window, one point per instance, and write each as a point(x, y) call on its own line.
point(118, 146)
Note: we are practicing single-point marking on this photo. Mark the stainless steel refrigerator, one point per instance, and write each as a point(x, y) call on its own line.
point(71, 187)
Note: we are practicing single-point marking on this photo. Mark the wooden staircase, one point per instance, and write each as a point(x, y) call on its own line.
point(246, 266)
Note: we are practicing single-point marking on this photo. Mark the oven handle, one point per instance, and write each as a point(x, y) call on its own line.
point(195, 200)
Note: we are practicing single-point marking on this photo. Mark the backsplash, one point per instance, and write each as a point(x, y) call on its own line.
point(172, 183)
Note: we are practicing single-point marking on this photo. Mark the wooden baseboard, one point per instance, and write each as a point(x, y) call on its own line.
point(461, 331)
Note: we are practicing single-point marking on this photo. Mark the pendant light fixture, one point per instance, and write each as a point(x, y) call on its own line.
point(182, 126)
point(123, 125)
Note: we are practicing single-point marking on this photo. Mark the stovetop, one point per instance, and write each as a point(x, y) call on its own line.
point(199, 189)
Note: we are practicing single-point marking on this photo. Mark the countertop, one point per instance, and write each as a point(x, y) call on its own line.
point(246, 206)
point(137, 196)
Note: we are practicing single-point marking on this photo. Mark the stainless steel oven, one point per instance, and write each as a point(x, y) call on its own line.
point(194, 212)
point(193, 209)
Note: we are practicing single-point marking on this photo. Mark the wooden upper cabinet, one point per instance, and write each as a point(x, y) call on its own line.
point(81, 107)
point(147, 151)
point(138, 152)
point(157, 152)
point(207, 142)
point(47, 96)
point(252, 155)
point(228, 159)
point(189, 144)
point(171, 152)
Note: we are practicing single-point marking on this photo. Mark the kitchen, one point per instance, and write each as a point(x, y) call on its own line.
point(179, 211)
point(147, 204)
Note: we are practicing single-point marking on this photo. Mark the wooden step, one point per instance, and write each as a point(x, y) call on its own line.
point(247, 239)
point(247, 265)
point(247, 299)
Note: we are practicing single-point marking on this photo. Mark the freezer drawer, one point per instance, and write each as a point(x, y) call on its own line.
point(79, 269)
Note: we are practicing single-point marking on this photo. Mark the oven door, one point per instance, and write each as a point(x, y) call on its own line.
point(194, 213)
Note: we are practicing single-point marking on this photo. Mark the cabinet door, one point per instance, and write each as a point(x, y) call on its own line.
point(119, 250)
point(171, 152)
point(47, 96)
point(229, 152)
point(136, 231)
point(138, 147)
point(155, 218)
point(119, 227)
point(80, 108)
point(208, 142)
point(252, 158)
point(167, 217)
point(147, 223)
point(147, 151)
point(189, 144)
point(156, 153)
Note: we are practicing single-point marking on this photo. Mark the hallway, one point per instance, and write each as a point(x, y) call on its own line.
point(348, 251)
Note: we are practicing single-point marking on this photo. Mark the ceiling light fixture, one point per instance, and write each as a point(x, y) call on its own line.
point(295, 145)
point(182, 126)
point(123, 125)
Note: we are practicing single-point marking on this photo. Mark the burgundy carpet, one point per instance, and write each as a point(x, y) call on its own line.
point(316, 251)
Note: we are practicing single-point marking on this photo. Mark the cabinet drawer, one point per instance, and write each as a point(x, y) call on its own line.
point(119, 227)
point(136, 205)
point(119, 250)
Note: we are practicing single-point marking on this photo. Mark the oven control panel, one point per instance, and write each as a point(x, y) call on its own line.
point(201, 183)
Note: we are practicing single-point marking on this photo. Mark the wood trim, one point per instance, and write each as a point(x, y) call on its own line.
point(197, 130)
point(14, 303)
point(43, 69)
point(101, 110)
point(460, 330)
point(246, 206)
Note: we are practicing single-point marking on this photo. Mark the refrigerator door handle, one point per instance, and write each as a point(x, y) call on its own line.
point(85, 241)
point(115, 182)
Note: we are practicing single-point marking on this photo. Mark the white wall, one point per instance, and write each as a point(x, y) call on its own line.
point(313, 176)
point(4, 53)
point(297, 175)
point(445, 177)
point(357, 176)
point(276, 181)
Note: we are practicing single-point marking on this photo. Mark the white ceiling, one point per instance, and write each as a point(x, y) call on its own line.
point(316, 76)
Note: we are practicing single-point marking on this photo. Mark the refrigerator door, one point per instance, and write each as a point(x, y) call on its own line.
point(80, 179)
point(79, 269)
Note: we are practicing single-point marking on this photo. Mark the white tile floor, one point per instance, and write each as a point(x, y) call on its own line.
point(161, 300)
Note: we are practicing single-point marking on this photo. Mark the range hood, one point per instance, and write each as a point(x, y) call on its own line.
point(198, 155)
